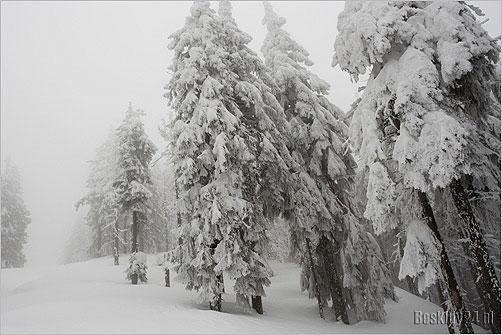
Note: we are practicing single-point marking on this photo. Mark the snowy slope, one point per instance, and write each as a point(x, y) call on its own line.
point(93, 296)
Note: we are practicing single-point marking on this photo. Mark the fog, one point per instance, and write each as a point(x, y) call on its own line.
point(69, 70)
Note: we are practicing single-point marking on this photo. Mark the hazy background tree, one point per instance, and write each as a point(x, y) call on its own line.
point(132, 185)
point(15, 217)
point(101, 200)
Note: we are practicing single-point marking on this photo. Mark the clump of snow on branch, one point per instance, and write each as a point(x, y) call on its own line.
point(421, 256)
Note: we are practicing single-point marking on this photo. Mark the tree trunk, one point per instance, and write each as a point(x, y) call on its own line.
point(487, 283)
point(449, 276)
point(135, 231)
point(444, 305)
point(141, 232)
point(330, 257)
point(166, 277)
point(124, 245)
point(412, 287)
point(216, 305)
point(124, 233)
point(116, 243)
point(141, 239)
point(316, 282)
point(257, 304)
point(134, 245)
point(344, 295)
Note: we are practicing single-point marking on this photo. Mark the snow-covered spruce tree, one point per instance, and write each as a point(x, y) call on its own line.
point(135, 152)
point(343, 262)
point(137, 268)
point(485, 202)
point(425, 111)
point(226, 153)
point(101, 199)
point(15, 217)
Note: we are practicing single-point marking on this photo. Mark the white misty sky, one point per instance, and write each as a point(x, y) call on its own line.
point(69, 69)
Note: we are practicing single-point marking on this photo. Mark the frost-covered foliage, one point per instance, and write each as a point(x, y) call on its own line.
point(321, 210)
point(421, 257)
point(132, 185)
point(101, 198)
point(423, 57)
point(227, 162)
point(109, 200)
point(365, 273)
point(487, 209)
point(381, 193)
point(279, 241)
point(426, 115)
point(429, 61)
point(135, 152)
point(137, 267)
point(15, 217)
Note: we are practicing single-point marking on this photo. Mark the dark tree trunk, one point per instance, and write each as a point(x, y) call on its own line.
point(141, 232)
point(487, 283)
point(135, 230)
point(451, 282)
point(444, 305)
point(344, 295)
point(216, 304)
point(342, 301)
point(316, 280)
point(166, 270)
point(412, 287)
point(134, 245)
point(330, 257)
point(166, 277)
point(257, 304)
point(141, 239)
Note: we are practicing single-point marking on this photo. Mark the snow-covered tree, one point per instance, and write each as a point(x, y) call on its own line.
point(132, 185)
point(226, 147)
point(330, 234)
point(137, 267)
point(15, 217)
point(103, 208)
point(422, 123)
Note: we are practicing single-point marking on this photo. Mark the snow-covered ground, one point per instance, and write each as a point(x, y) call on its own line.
point(94, 296)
